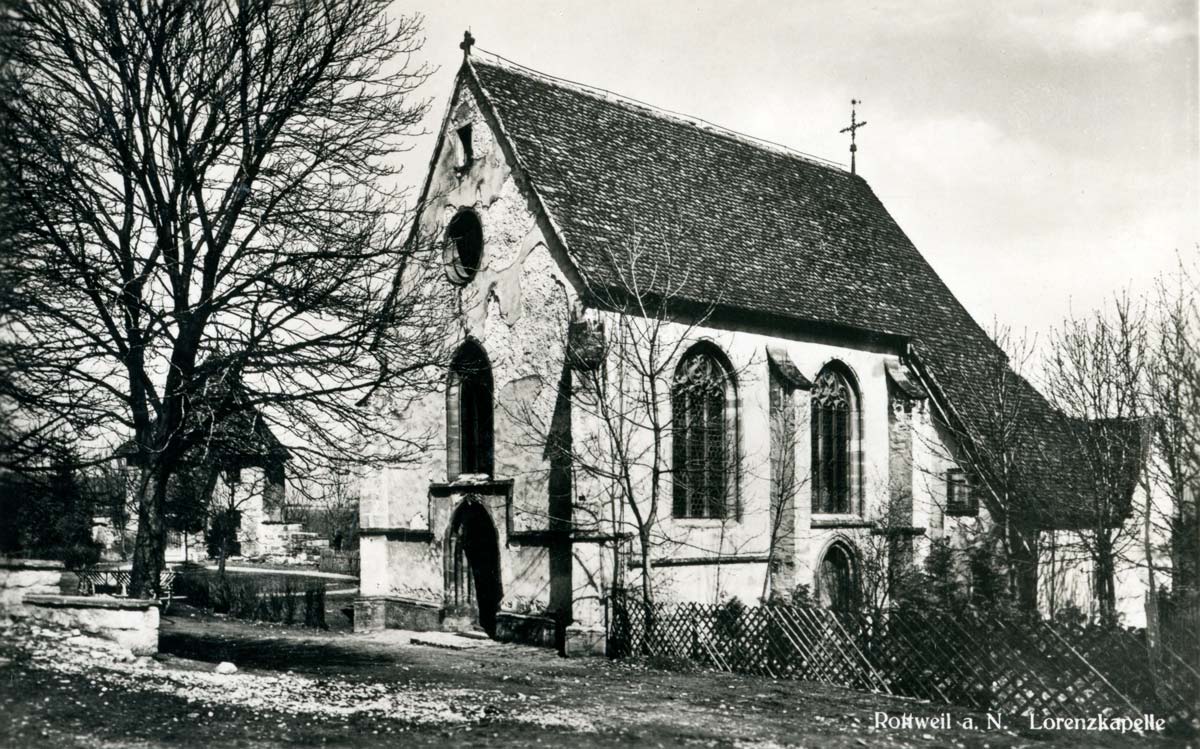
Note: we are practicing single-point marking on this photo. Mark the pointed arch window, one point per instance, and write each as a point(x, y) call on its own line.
point(469, 432)
point(704, 435)
point(837, 579)
point(836, 451)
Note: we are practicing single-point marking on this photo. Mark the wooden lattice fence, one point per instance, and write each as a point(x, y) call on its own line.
point(972, 659)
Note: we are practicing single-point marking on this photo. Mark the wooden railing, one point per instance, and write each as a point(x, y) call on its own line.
point(94, 580)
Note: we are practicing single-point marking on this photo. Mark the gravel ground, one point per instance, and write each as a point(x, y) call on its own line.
point(299, 688)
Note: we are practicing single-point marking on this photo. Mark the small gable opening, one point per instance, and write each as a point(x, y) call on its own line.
point(469, 428)
point(464, 250)
point(466, 149)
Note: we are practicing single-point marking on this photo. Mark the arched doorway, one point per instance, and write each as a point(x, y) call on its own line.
point(837, 579)
point(473, 586)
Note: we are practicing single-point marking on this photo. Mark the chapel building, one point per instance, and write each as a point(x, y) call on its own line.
point(651, 307)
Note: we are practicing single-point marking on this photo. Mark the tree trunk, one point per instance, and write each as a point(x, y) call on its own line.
point(1153, 634)
point(1104, 567)
point(1023, 566)
point(647, 588)
point(150, 546)
point(648, 618)
point(1194, 582)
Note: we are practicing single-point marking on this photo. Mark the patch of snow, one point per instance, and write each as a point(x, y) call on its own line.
point(291, 694)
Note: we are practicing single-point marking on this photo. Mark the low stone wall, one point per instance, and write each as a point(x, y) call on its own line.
point(526, 630)
point(375, 614)
point(341, 562)
point(275, 538)
point(130, 622)
point(585, 641)
point(23, 577)
point(32, 589)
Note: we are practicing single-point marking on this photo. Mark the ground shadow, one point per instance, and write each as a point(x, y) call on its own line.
point(271, 653)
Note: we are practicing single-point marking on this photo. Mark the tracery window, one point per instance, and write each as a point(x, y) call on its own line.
point(835, 442)
point(703, 429)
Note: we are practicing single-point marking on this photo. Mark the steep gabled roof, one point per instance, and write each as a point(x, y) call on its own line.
point(773, 231)
point(241, 435)
point(751, 227)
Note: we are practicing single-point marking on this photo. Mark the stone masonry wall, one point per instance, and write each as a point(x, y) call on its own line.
point(24, 577)
point(516, 306)
point(129, 622)
point(30, 589)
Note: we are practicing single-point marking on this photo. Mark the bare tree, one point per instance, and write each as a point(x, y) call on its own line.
point(785, 423)
point(997, 446)
point(885, 560)
point(205, 202)
point(328, 504)
point(1174, 399)
point(629, 398)
point(1096, 373)
point(612, 420)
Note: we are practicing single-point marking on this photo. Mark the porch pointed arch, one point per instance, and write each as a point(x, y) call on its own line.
point(473, 583)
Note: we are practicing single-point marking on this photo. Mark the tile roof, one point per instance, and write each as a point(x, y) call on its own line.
point(751, 226)
point(242, 433)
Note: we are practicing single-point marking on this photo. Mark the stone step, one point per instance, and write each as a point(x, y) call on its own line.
point(448, 640)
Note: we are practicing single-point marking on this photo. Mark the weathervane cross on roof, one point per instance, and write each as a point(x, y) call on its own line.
point(467, 42)
point(854, 126)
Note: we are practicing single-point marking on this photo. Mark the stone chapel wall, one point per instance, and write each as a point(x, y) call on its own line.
point(516, 307)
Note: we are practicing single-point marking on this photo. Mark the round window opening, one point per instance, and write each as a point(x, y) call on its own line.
point(464, 246)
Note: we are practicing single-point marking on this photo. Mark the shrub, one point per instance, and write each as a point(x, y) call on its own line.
point(728, 623)
point(944, 586)
point(250, 598)
point(314, 608)
point(667, 662)
point(222, 535)
point(48, 515)
point(800, 596)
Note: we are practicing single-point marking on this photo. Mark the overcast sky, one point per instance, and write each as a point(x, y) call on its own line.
point(1041, 156)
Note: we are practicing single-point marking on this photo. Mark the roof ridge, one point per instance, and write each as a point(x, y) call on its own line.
point(637, 105)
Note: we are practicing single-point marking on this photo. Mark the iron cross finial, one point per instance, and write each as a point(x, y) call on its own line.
point(854, 126)
point(467, 42)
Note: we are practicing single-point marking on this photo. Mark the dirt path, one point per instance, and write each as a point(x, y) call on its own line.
point(303, 688)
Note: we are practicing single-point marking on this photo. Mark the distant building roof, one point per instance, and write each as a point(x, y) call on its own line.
point(242, 436)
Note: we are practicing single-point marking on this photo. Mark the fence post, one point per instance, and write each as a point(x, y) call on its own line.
point(608, 638)
point(1153, 641)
